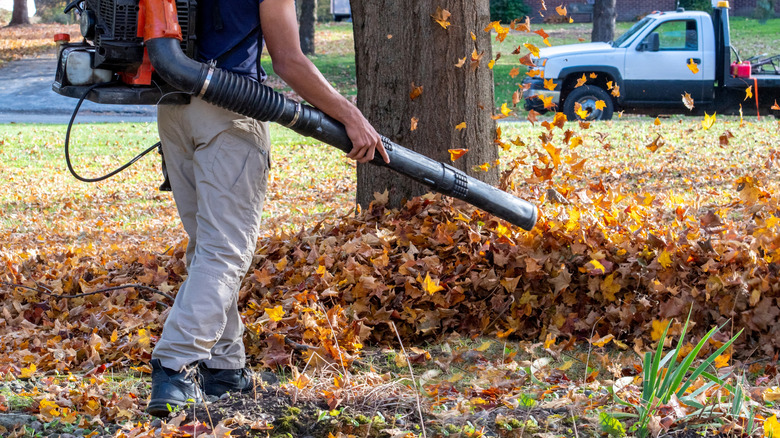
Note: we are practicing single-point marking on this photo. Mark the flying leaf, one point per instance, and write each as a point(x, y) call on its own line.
point(776, 106)
point(694, 67)
point(527, 61)
point(532, 115)
point(505, 110)
point(657, 122)
point(593, 75)
point(514, 72)
point(416, 91)
point(561, 10)
point(461, 126)
point(491, 64)
point(415, 120)
point(475, 59)
point(616, 91)
point(517, 96)
point(457, 153)
point(460, 62)
point(542, 33)
point(441, 16)
point(581, 81)
point(708, 121)
point(547, 101)
point(610, 85)
point(546, 42)
point(473, 37)
point(687, 101)
point(749, 92)
point(600, 105)
point(655, 144)
point(549, 84)
point(532, 48)
point(581, 113)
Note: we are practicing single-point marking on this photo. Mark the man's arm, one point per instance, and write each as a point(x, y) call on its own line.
point(280, 30)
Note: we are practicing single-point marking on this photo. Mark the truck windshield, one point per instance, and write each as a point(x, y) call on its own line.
point(625, 39)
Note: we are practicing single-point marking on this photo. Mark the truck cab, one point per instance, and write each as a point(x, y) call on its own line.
point(648, 69)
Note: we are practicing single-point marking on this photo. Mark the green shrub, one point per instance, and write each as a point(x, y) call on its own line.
point(765, 9)
point(50, 11)
point(695, 5)
point(507, 10)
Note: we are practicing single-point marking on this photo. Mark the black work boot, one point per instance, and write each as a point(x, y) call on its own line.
point(172, 389)
point(217, 382)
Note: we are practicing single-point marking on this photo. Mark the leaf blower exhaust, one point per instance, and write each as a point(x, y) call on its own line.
point(160, 32)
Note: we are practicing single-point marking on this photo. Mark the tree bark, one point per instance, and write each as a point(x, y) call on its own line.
point(604, 17)
point(19, 14)
point(306, 25)
point(404, 48)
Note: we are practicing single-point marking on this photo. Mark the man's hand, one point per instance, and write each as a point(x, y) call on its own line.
point(280, 31)
point(365, 140)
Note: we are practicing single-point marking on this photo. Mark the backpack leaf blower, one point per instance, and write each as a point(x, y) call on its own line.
point(146, 48)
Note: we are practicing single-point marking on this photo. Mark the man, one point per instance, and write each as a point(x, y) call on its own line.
point(218, 164)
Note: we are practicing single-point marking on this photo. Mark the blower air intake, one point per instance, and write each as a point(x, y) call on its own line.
point(147, 47)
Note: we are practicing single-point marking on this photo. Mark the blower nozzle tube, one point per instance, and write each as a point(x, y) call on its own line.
point(252, 99)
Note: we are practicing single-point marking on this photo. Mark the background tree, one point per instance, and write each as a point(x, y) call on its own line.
point(307, 20)
point(19, 14)
point(604, 17)
point(404, 51)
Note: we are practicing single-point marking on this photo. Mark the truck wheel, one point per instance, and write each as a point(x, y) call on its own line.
point(587, 96)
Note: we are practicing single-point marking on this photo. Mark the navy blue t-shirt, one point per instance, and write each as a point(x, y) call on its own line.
point(229, 32)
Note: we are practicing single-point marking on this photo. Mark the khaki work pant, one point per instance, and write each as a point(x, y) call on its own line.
point(218, 164)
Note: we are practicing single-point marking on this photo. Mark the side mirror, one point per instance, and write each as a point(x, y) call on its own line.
point(651, 44)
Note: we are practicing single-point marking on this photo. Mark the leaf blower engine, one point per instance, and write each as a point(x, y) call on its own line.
point(142, 52)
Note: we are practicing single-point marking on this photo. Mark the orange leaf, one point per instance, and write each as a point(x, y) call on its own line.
point(616, 91)
point(600, 105)
point(549, 84)
point(561, 10)
point(457, 153)
point(749, 92)
point(532, 115)
point(514, 72)
point(657, 122)
point(687, 101)
point(547, 101)
point(460, 62)
point(776, 106)
point(593, 75)
point(416, 91)
point(475, 59)
point(414, 123)
point(527, 61)
point(542, 33)
point(461, 126)
point(441, 16)
point(693, 66)
point(533, 73)
point(581, 81)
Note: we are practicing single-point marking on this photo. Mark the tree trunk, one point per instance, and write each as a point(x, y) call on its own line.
point(19, 14)
point(306, 27)
point(404, 48)
point(604, 16)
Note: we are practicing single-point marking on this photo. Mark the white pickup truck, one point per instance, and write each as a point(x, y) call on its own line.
point(651, 69)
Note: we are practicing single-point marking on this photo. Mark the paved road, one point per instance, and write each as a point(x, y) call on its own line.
point(26, 97)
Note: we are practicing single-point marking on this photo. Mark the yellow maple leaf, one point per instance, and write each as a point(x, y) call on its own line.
point(431, 286)
point(461, 126)
point(514, 72)
point(547, 101)
point(28, 372)
point(749, 92)
point(600, 105)
point(276, 313)
point(581, 113)
point(722, 360)
point(708, 121)
point(772, 427)
point(658, 328)
point(665, 259)
point(532, 48)
point(561, 10)
point(491, 64)
point(692, 66)
point(549, 84)
point(505, 110)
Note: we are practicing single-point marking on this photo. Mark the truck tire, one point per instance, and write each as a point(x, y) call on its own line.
point(587, 96)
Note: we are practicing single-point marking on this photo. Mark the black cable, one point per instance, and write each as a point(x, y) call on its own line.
point(94, 292)
point(67, 142)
